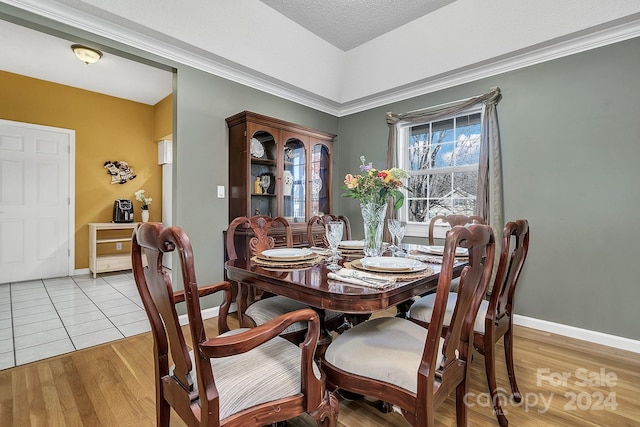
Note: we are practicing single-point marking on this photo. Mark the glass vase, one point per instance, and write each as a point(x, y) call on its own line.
point(373, 218)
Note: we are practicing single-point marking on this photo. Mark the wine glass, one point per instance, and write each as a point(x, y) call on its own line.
point(334, 236)
point(392, 224)
point(265, 182)
point(401, 229)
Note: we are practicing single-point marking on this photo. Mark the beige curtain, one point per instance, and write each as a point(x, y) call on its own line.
point(489, 201)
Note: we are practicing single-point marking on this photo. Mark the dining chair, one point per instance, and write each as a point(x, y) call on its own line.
point(452, 221)
point(495, 315)
point(320, 239)
point(409, 366)
point(244, 377)
point(255, 309)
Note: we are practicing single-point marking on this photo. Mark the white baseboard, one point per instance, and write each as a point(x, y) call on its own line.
point(207, 313)
point(578, 333)
point(81, 272)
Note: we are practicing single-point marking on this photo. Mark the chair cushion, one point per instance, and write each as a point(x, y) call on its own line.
point(269, 372)
point(266, 309)
point(387, 349)
point(422, 309)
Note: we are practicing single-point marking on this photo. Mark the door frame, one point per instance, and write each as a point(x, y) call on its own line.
point(71, 218)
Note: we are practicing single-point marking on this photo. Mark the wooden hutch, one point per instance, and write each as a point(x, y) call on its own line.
point(292, 162)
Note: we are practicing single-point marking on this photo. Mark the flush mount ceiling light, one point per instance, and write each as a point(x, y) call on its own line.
point(86, 54)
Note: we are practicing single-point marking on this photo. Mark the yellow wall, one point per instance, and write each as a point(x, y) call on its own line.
point(162, 118)
point(107, 128)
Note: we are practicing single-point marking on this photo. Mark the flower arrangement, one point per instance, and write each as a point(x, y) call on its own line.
point(146, 201)
point(375, 186)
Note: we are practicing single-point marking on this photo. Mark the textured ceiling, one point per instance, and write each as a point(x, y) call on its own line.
point(349, 23)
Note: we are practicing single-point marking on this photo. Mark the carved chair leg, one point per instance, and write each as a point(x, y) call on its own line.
point(490, 370)
point(326, 414)
point(163, 409)
point(508, 355)
point(384, 407)
point(461, 407)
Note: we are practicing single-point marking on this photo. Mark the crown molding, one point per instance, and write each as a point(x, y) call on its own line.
point(251, 78)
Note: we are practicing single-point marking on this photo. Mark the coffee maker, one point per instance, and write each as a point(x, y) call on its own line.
point(122, 210)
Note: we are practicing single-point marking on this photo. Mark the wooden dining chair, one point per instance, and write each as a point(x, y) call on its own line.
point(452, 221)
point(495, 315)
point(320, 239)
point(245, 377)
point(255, 309)
point(407, 365)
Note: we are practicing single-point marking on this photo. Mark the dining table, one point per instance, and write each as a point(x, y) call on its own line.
point(312, 286)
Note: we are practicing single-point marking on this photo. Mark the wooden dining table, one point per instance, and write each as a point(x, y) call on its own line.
point(312, 287)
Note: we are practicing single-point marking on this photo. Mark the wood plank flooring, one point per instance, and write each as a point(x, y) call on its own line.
point(564, 382)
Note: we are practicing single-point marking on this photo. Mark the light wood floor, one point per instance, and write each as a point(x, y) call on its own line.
point(112, 385)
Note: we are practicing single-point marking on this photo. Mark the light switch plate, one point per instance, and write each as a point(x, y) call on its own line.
point(220, 191)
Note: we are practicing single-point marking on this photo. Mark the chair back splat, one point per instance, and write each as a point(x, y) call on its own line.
point(320, 239)
point(225, 381)
point(452, 220)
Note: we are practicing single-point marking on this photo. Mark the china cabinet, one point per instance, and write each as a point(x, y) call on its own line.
point(277, 168)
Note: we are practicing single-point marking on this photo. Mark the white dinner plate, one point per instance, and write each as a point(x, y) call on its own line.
point(256, 148)
point(385, 263)
point(351, 244)
point(439, 250)
point(287, 254)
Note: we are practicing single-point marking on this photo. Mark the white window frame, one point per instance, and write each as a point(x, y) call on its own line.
point(415, 229)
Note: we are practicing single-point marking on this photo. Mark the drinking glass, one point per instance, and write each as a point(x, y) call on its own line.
point(265, 182)
point(393, 228)
point(334, 236)
point(401, 229)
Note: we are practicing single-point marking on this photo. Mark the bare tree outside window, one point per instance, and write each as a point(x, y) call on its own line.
point(442, 162)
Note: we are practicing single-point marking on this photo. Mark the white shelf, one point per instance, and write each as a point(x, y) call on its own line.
point(109, 262)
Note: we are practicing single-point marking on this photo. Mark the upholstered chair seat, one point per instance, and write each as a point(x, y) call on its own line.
point(423, 308)
point(387, 349)
point(267, 373)
point(263, 310)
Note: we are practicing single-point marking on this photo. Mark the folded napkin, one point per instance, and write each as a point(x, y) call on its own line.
point(426, 258)
point(361, 278)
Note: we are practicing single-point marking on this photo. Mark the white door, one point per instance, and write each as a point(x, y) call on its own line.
point(35, 201)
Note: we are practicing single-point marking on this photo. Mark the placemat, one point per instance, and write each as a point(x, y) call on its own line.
point(398, 276)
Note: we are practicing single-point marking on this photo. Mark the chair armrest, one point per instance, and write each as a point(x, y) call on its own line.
point(252, 338)
point(178, 296)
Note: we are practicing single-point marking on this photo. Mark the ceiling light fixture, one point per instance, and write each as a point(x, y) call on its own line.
point(86, 54)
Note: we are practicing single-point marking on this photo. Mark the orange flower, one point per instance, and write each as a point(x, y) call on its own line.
point(351, 181)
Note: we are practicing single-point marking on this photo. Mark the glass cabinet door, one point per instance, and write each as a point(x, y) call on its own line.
point(320, 177)
point(263, 173)
point(294, 181)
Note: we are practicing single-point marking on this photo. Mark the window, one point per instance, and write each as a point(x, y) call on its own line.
point(441, 158)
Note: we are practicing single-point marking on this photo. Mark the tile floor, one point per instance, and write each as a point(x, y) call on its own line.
point(44, 318)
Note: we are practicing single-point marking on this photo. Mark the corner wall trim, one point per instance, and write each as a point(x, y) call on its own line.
point(578, 333)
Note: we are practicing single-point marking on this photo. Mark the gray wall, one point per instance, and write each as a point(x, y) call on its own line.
point(203, 102)
point(570, 142)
